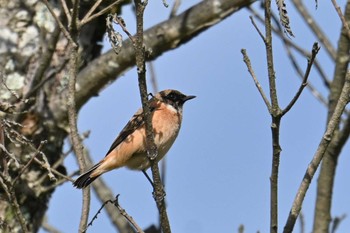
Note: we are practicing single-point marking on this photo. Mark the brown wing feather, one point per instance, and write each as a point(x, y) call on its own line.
point(136, 122)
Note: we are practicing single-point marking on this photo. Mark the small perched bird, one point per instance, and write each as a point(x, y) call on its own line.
point(129, 148)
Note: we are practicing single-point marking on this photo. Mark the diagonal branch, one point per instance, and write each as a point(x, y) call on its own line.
point(299, 5)
point(163, 37)
point(315, 49)
point(256, 81)
point(333, 124)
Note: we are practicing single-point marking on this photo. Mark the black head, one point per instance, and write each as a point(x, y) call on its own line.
point(174, 97)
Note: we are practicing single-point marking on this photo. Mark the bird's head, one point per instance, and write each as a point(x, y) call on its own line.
point(173, 97)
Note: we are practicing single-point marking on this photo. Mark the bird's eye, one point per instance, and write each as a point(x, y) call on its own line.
point(171, 96)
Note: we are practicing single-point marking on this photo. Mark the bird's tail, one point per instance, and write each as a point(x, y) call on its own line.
point(86, 178)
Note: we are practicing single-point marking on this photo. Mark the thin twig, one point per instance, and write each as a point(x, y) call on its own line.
point(332, 125)
point(256, 81)
point(299, 5)
point(46, 165)
point(103, 192)
point(126, 215)
point(122, 212)
point(290, 43)
point(103, 11)
point(121, 23)
point(66, 11)
point(315, 49)
point(28, 163)
point(257, 29)
point(5, 184)
point(60, 24)
point(2, 153)
point(96, 215)
point(44, 189)
point(175, 8)
point(342, 18)
point(92, 9)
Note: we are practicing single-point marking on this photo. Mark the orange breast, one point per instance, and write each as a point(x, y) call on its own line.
point(132, 151)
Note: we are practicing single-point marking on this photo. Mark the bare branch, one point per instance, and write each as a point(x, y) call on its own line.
point(163, 37)
point(60, 24)
point(276, 120)
point(5, 184)
point(85, 20)
point(299, 5)
point(257, 29)
point(127, 216)
point(92, 9)
point(315, 49)
point(256, 81)
point(342, 18)
point(296, 47)
point(103, 192)
point(333, 124)
point(175, 8)
point(122, 212)
point(74, 28)
point(28, 163)
point(152, 150)
point(66, 11)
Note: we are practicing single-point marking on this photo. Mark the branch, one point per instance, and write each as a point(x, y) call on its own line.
point(28, 164)
point(152, 150)
point(126, 215)
point(60, 24)
point(290, 43)
point(74, 28)
point(276, 116)
point(122, 212)
point(163, 37)
point(256, 81)
point(315, 49)
point(103, 192)
point(88, 17)
point(5, 184)
point(315, 28)
point(333, 124)
point(66, 10)
point(342, 18)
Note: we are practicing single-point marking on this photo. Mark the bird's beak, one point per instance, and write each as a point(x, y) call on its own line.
point(189, 97)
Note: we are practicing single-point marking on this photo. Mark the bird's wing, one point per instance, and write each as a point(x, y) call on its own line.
point(136, 122)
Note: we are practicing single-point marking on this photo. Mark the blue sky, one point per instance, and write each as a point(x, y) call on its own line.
point(218, 169)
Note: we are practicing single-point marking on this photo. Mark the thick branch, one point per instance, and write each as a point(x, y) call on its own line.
point(163, 37)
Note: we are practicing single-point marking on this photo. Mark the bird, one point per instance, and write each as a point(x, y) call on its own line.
point(129, 148)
